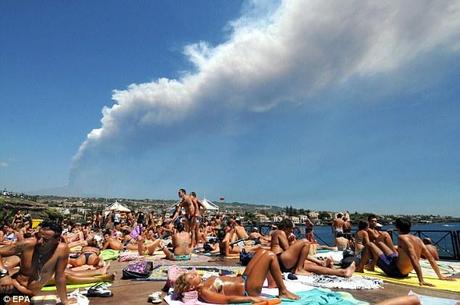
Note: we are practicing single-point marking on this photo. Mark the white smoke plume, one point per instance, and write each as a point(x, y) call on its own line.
point(287, 55)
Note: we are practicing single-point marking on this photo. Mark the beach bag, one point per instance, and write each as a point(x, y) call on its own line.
point(245, 257)
point(137, 270)
point(207, 247)
point(348, 258)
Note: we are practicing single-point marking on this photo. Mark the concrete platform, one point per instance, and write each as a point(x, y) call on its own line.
point(127, 292)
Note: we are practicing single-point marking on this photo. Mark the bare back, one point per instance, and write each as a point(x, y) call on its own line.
point(409, 245)
point(279, 242)
point(337, 225)
point(182, 243)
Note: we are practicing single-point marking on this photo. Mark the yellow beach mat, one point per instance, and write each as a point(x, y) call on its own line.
point(412, 280)
point(72, 286)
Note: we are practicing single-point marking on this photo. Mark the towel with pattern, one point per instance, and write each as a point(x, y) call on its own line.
point(332, 281)
point(160, 272)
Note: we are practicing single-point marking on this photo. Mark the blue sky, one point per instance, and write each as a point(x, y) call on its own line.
point(337, 108)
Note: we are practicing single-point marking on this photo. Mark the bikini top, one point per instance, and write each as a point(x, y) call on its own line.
point(218, 285)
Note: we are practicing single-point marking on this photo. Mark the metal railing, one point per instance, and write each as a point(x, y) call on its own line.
point(447, 242)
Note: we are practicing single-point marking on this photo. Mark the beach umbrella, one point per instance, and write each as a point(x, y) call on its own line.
point(116, 206)
point(209, 205)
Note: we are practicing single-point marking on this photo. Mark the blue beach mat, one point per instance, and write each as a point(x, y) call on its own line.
point(324, 297)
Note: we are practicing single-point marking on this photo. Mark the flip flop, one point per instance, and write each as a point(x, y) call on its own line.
point(99, 290)
point(155, 298)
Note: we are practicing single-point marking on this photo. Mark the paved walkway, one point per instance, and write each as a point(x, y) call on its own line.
point(127, 292)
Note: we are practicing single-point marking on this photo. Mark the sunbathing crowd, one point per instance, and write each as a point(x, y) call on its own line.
point(60, 252)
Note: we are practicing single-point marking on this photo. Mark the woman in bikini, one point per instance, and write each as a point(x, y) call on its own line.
point(293, 254)
point(240, 289)
point(89, 255)
point(361, 237)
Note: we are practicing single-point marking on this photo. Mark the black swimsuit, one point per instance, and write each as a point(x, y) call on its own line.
point(280, 262)
point(88, 255)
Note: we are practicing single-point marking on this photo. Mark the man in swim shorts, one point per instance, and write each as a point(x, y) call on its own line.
point(186, 202)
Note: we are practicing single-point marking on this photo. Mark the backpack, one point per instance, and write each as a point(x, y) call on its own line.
point(348, 258)
point(245, 257)
point(139, 269)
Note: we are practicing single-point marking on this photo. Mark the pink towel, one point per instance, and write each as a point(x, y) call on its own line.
point(190, 297)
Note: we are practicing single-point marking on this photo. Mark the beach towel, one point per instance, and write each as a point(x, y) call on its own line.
point(310, 297)
point(72, 286)
point(324, 297)
point(160, 272)
point(427, 300)
point(195, 258)
point(332, 281)
point(412, 280)
point(128, 256)
point(109, 254)
point(446, 268)
point(336, 256)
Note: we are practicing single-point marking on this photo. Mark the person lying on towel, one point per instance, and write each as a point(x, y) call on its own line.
point(241, 289)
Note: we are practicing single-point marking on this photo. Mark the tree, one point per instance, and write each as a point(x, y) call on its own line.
point(323, 215)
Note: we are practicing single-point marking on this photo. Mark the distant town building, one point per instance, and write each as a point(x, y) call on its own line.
point(302, 218)
point(295, 219)
point(262, 217)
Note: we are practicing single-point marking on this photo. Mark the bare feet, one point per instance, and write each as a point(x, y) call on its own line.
point(112, 277)
point(370, 268)
point(329, 262)
point(105, 268)
point(288, 295)
point(348, 272)
point(360, 270)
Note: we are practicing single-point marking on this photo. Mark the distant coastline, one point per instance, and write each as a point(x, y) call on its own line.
point(256, 213)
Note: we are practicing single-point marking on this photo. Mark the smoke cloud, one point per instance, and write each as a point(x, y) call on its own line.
point(287, 55)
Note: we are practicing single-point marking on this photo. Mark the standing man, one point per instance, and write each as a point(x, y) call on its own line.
point(41, 258)
point(197, 218)
point(185, 202)
point(337, 225)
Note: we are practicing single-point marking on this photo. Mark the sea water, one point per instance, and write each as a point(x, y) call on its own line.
point(440, 233)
